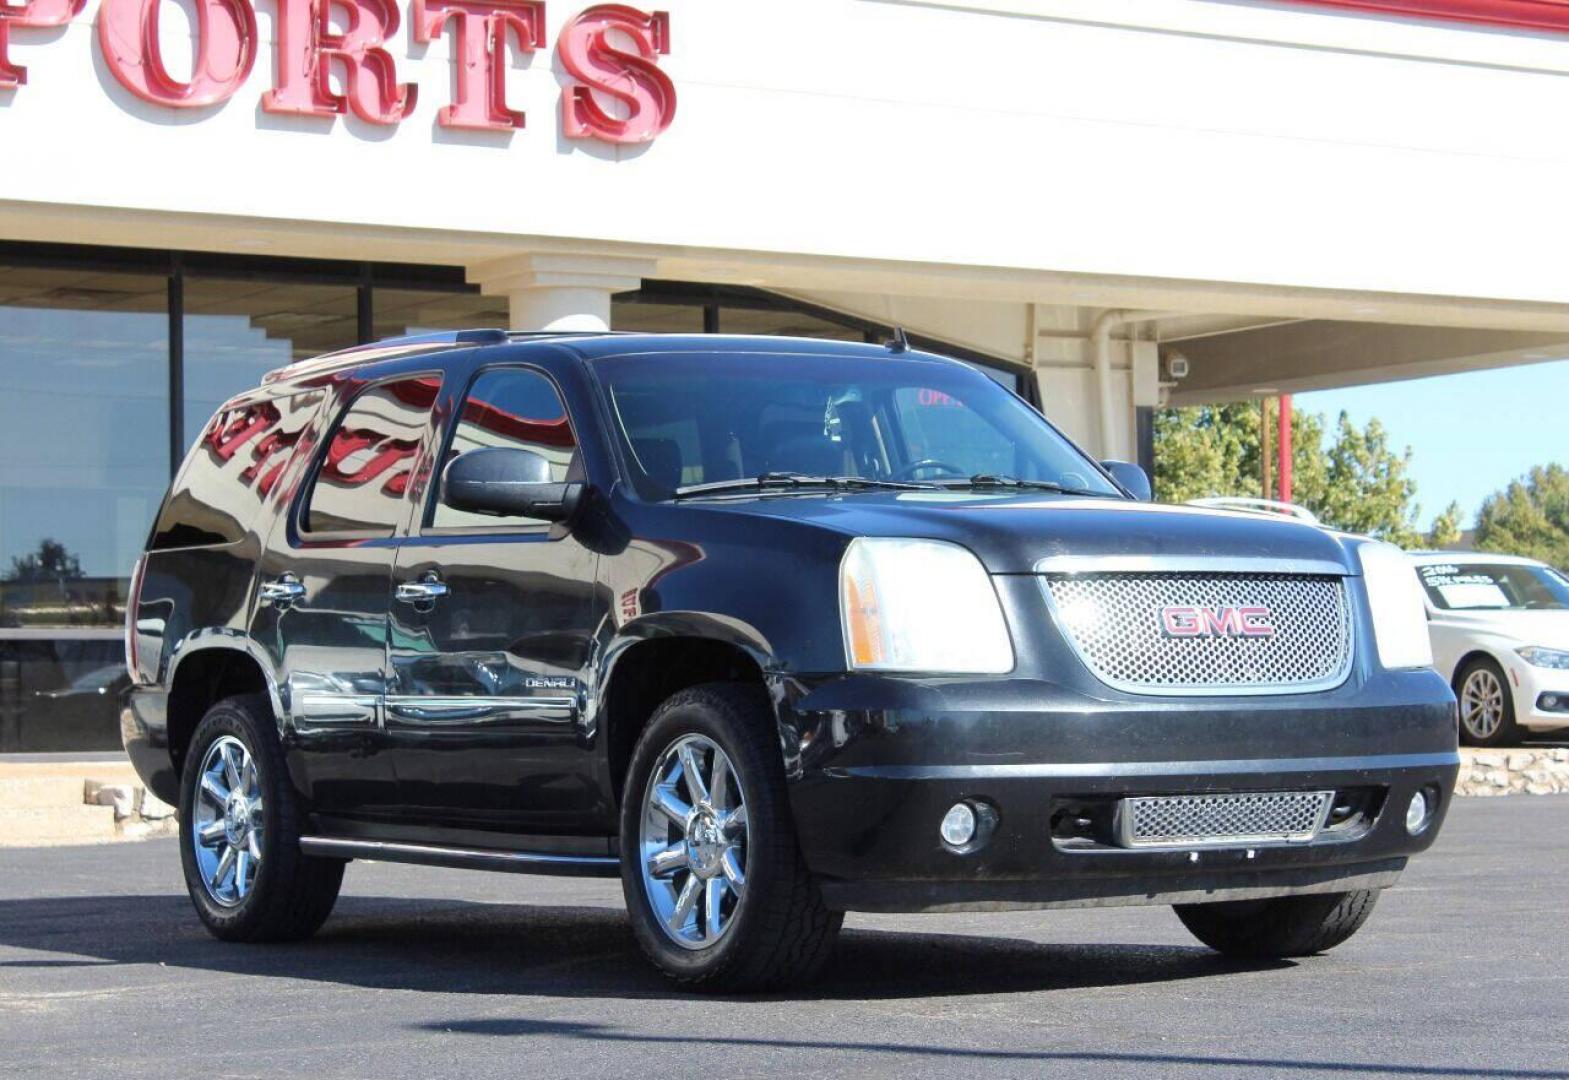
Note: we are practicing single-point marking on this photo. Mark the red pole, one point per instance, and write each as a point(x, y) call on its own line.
point(1285, 448)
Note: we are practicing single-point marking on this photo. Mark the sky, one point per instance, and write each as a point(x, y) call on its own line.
point(1469, 434)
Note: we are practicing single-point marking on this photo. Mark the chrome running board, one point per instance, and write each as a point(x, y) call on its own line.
point(512, 862)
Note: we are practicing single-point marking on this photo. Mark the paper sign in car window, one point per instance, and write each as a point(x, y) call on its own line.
point(1474, 595)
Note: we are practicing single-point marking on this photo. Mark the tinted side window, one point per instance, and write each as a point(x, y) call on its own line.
point(364, 475)
point(232, 469)
point(512, 407)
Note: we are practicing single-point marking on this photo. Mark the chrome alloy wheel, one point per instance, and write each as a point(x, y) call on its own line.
point(694, 842)
point(1482, 703)
point(226, 821)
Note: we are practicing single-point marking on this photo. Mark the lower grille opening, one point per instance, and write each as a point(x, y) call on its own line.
point(1157, 822)
point(1231, 818)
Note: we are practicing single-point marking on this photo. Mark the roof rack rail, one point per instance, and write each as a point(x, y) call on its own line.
point(388, 347)
point(398, 346)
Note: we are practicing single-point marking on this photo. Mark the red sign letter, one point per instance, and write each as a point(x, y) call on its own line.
point(30, 14)
point(307, 46)
point(587, 51)
point(225, 51)
point(479, 99)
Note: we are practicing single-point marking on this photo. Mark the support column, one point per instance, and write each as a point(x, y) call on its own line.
point(567, 291)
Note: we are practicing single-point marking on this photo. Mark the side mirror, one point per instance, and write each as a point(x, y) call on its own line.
point(1131, 477)
point(505, 481)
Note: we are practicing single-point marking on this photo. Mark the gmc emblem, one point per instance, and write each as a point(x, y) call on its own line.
point(1229, 620)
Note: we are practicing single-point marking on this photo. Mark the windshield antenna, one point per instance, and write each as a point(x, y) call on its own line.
point(900, 342)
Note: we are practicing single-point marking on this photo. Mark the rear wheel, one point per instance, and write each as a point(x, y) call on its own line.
point(240, 824)
point(718, 894)
point(1487, 709)
point(1279, 928)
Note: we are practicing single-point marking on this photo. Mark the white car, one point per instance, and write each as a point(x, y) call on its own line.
point(1500, 631)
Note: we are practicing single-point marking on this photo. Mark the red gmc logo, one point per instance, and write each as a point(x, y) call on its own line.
point(1230, 620)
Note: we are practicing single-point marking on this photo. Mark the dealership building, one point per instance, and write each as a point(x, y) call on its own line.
point(1109, 205)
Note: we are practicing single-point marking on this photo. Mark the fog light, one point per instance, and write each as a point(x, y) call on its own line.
point(958, 825)
point(1419, 813)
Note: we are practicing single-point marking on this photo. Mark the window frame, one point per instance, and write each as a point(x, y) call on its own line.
point(299, 514)
point(424, 524)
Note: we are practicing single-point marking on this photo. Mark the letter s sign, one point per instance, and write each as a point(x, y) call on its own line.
point(589, 50)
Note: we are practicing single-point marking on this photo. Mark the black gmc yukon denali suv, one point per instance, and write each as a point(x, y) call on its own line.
point(772, 630)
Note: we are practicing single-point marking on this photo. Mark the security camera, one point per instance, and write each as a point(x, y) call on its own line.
point(1176, 366)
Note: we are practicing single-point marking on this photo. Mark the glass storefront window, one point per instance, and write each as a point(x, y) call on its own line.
point(238, 330)
point(646, 318)
point(736, 320)
point(84, 460)
point(397, 312)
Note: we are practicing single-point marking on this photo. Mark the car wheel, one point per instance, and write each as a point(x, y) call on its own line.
point(240, 823)
point(1487, 710)
point(1279, 928)
point(717, 891)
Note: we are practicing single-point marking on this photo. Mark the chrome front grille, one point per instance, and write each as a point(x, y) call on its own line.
point(1240, 818)
point(1202, 632)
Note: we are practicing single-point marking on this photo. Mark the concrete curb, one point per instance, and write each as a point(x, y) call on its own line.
point(1513, 772)
point(52, 803)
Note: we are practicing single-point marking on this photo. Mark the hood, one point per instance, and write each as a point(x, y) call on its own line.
point(1549, 629)
point(1011, 532)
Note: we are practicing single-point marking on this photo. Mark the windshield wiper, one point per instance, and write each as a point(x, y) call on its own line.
point(776, 481)
point(993, 480)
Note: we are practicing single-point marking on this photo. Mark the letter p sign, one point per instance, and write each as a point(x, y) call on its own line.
point(29, 15)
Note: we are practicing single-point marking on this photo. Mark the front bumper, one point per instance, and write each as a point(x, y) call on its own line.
point(881, 761)
point(1530, 685)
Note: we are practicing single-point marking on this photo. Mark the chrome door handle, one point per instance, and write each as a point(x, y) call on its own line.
point(282, 592)
point(421, 592)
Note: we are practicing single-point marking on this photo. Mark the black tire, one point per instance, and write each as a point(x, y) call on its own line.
point(289, 894)
point(1279, 928)
point(779, 933)
point(1484, 671)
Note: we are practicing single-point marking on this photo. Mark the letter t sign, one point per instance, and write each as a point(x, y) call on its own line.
point(481, 29)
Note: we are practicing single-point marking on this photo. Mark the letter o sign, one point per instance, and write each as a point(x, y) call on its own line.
point(225, 51)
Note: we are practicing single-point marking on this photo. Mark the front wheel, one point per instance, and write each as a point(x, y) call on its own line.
point(240, 824)
point(718, 894)
point(1487, 709)
point(1284, 927)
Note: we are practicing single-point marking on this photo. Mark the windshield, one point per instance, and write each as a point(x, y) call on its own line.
point(1494, 587)
point(688, 419)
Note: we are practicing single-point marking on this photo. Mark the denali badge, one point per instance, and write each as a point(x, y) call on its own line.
point(1228, 620)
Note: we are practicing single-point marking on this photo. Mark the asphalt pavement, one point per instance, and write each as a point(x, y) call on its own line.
point(1463, 971)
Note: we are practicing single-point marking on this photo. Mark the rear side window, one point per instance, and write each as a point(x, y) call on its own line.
point(234, 466)
point(364, 474)
point(513, 407)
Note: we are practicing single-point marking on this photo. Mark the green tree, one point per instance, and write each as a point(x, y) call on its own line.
point(1446, 528)
point(1353, 481)
point(51, 562)
point(1530, 517)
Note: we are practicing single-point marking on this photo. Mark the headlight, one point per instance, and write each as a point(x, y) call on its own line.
point(1395, 598)
point(920, 605)
point(1537, 656)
